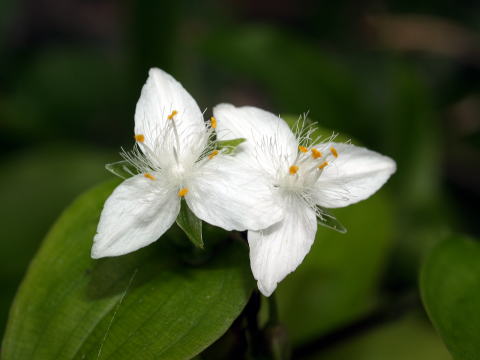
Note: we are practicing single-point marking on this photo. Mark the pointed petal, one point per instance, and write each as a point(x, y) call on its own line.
point(137, 213)
point(227, 194)
point(161, 95)
point(270, 142)
point(278, 250)
point(356, 174)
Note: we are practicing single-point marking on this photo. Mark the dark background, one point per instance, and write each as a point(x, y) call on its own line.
point(400, 77)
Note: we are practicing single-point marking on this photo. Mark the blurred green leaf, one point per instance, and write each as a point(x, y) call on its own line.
point(190, 224)
point(338, 280)
point(145, 305)
point(410, 338)
point(450, 285)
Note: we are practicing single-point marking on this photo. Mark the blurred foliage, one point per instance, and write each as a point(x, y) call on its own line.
point(450, 290)
point(71, 72)
point(340, 277)
point(410, 338)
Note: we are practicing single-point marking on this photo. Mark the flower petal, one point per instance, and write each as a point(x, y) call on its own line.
point(227, 194)
point(161, 96)
point(137, 213)
point(270, 142)
point(356, 174)
point(278, 250)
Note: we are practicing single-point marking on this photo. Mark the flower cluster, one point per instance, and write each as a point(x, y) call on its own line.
point(277, 184)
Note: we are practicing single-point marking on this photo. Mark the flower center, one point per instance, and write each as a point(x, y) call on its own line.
point(307, 168)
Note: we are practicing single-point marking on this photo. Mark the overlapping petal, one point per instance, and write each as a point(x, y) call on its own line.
point(137, 213)
point(277, 251)
point(226, 193)
point(356, 174)
point(161, 96)
point(270, 144)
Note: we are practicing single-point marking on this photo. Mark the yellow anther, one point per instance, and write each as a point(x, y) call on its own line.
point(174, 112)
point(149, 176)
point(213, 154)
point(302, 149)
point(139, 138)
point(334, 151)
point(323, 165)
point(316, 154)
point(213, 122)
point(293, 169)
point(182, 192)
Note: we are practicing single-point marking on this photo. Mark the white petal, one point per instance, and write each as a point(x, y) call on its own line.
point(356, 174)
point(270, 142)
point(160, 96)
point(137, 213)
point(278, 250)
point(227, 194)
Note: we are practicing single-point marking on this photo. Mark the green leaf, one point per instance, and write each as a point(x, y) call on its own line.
point(229, 146)
point(450, 287)
point(190, 224)
point(146, 305)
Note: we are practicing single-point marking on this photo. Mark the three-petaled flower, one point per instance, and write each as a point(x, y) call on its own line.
point(305, 176)
point(176, 158)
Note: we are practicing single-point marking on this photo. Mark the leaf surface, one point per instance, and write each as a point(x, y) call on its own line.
point(149, 304)
point(450, 286)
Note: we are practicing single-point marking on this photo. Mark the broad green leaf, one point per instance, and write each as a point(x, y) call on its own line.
point(190, 224)
point(146, 305)
point(123, 169)
point(450, 286)
point(229, 146)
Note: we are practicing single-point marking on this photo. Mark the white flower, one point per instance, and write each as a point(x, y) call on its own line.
point(175, 159)
point(305, 175)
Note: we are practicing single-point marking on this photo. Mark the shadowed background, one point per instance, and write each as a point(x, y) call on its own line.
point(399, 77)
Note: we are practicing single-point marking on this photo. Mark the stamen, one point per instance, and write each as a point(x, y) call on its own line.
point(182, 192)
point(334, 151)
point(316, 154)
point(213, 122)
point(212, 154)
point(149, 176)
point(174, 112)
point(302, 149)
point(323, 165)
point(139, 138)
point(293, 169)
